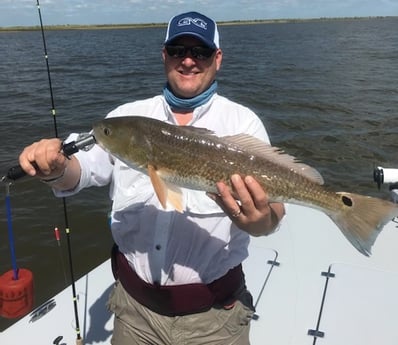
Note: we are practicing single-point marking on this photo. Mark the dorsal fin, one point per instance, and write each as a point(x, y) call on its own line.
point(252, 145)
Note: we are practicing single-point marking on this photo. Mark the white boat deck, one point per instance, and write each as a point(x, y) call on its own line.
point(310, 286)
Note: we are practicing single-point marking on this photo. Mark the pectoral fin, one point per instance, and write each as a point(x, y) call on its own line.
point(166, 192)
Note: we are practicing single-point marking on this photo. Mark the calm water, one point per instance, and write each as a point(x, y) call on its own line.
point(327, 91)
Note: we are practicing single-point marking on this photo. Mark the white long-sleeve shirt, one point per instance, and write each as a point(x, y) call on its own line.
point(165, 246)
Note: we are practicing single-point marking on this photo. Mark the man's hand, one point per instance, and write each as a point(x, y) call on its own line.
point(248, 205)
point(43, 159)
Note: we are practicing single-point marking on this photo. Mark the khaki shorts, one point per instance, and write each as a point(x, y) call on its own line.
point(136, 324)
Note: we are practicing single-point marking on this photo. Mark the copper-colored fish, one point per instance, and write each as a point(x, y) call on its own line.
point(195, 158)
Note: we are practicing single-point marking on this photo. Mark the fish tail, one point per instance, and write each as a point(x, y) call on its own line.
point(362, 218)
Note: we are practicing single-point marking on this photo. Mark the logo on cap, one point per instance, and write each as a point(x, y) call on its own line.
point(195, 21)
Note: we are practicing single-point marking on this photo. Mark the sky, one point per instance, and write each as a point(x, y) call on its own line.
point(64, 12)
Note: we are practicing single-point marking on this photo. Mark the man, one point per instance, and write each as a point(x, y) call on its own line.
point(179, 276)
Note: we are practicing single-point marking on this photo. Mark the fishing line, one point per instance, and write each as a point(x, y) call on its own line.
point(79, 339)
point(11, 233)
point(16, 285)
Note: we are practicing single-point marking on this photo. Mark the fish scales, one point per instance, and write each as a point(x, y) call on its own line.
point(195, 158)
point(199, 161)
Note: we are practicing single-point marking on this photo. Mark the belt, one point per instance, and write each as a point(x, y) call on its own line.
point(177, 300)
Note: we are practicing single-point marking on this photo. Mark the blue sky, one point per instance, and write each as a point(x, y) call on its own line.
point(24, 12)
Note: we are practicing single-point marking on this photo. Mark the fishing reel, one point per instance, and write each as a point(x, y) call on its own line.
point(383, 176)
point(387, 176)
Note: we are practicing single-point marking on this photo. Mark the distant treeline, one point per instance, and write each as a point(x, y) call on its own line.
point(149, 25)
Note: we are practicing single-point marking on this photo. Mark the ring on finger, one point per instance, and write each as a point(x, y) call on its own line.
point(237, 213)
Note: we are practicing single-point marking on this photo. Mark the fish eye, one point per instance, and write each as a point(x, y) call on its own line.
point(107, 131)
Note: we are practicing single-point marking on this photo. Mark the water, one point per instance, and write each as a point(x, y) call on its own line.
point(327, 92)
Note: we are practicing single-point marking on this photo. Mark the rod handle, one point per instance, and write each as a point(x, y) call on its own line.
point(68, 149)
point(15, 173)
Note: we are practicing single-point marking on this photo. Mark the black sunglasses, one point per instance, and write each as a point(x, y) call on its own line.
point(197, 52)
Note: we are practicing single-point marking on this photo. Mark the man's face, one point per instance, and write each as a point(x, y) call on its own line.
point(189, 76)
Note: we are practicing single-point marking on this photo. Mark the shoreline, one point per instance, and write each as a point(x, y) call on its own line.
point(152, 25)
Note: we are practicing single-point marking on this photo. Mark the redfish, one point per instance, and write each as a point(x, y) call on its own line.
point(195, 158)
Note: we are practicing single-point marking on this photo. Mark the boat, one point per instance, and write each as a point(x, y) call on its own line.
point(310, 286)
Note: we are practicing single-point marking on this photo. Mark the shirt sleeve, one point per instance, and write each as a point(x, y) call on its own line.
point(96, 169)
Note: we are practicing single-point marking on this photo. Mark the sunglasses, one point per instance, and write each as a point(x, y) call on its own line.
point(197, 52)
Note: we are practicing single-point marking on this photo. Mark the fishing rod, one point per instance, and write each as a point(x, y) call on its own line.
point(48, 69)
point(79, 339)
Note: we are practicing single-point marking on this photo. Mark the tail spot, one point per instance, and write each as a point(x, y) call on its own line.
point(346, 200)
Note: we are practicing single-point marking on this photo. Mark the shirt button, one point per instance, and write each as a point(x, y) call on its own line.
point(158, 247)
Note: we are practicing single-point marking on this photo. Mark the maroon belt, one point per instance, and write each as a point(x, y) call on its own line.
point(177, 299)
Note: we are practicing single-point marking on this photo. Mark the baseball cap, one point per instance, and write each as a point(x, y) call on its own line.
point(193, 24)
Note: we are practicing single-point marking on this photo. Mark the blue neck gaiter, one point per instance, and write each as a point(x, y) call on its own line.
point(188, 103)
